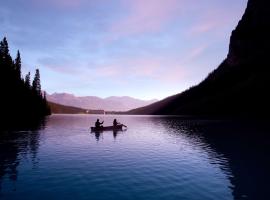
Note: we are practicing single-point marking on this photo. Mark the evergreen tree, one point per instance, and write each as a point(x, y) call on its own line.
point(27, 81)
point(17, 65)
point(1, 52)
point(36, 86)
point(47, 108)
point(19, 96)
point(44, 96)
point(1, 55)
point(4, 51)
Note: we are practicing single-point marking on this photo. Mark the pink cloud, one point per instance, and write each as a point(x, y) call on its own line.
point(176, 74)
point(194, 53)
point(212, 21)
point(144, 67)
point(145, 16)
point(154, 68)
point(108, 71)
point(203, 27)
point(169, 69)
point(176, 70)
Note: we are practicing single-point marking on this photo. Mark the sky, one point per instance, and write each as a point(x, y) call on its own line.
point(140, 48)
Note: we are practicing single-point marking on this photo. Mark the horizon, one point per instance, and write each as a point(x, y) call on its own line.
point(120, 48)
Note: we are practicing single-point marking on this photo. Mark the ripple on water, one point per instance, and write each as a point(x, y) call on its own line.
point(156, 158)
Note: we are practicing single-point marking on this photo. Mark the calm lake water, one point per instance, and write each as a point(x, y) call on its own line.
point(155, 158)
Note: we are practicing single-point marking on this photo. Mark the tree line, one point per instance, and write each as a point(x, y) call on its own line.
point(20, 98)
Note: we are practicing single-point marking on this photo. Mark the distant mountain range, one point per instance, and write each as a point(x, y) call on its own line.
point(112, 103)
point(61, 109)
point(240, 85)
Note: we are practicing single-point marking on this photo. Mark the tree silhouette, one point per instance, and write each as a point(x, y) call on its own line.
point(20, 100)
point(36, 86)
point(27, 81)
point(4, 51)
point(17, 65)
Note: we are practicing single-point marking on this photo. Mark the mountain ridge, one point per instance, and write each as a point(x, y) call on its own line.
point(62, 109)
point(112, 103)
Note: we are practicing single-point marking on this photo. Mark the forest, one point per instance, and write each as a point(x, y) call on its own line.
point(22, 100)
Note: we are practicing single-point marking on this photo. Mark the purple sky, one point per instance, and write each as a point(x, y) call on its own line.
point(140, 48)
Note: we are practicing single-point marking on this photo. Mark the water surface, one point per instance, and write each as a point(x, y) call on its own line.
point(155, 158)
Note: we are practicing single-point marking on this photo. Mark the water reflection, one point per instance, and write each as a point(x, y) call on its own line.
point(155, 154)
point(115, 133)
point(99, 134)
point(244, 146)
point(16, 143)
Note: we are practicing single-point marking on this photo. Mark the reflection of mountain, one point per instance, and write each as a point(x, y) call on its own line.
point(95, 103)
point(244, 146)
point(240, 84)
point(15, 144)
point(248, 156)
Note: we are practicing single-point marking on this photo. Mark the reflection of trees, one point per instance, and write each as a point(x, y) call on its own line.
point(15, 144)
point(244, 145)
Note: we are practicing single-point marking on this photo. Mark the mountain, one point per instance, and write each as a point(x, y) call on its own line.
point(95, 103)
point(62, 109)
point(240, 85)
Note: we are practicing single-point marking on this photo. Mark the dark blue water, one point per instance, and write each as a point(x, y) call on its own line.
point(156, 158)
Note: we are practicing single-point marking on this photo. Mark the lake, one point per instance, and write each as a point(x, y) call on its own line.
point(155, 158)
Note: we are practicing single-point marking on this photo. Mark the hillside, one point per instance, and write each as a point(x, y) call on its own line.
point(113, 103)
point(62, 109)
point(240, 85)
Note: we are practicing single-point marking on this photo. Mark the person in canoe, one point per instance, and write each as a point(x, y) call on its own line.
point(115, 123)
point(98, 124)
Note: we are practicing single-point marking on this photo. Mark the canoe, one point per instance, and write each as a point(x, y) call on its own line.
point(108, 128)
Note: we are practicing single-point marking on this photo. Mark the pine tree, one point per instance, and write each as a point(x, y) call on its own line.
point(2, 57)
point(6, 67)
point(19, 96)
point(45, 96)
point(27, 81)
point(36, 86)
point(4, 51)
point(17, 65)
point(47, 108)
point(1, 52)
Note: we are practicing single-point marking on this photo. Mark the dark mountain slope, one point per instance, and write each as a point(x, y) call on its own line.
point(240, 85)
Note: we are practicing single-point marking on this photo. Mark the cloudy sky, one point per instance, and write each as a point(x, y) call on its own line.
point(140, 48)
